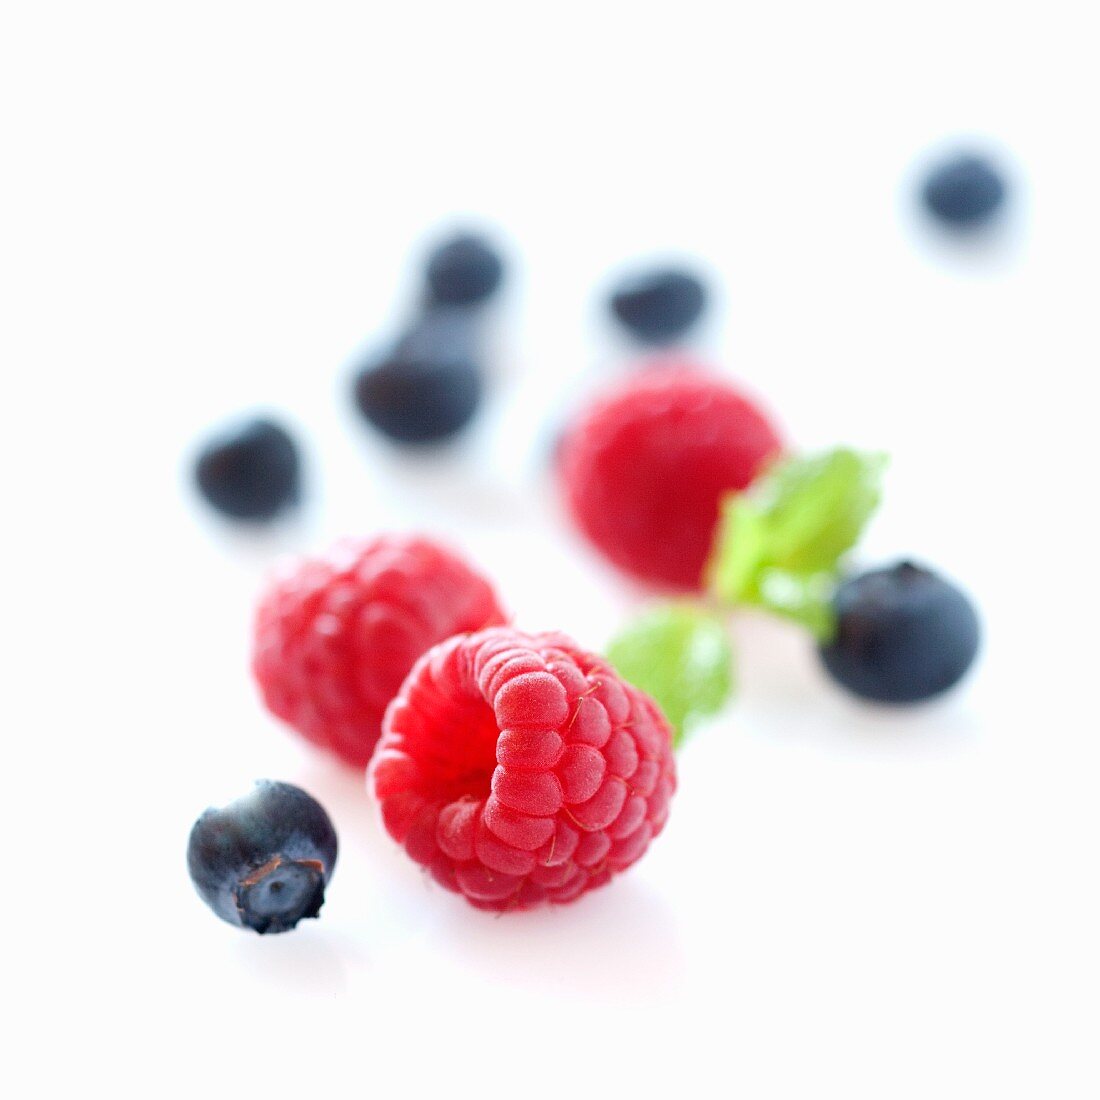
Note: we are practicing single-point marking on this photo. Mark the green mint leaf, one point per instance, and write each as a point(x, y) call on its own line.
point(742, 542)
point(816, 507)
point(779, 545)
point(805, 598)
point(680, 655)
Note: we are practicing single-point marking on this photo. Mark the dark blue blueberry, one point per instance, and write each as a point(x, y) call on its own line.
point(463, 270)
point(660, 305)
point(263, 861)
point(429, 387)
point(965, 191)
point(903, 634)
point(249, 471)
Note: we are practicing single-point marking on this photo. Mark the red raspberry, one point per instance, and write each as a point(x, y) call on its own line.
point(336, 635)
point(520, 770)
point(644, 469)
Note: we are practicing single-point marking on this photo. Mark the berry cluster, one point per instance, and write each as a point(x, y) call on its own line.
point(519, 769)
point(424, 389)
point(677, 479)
point(429, 385)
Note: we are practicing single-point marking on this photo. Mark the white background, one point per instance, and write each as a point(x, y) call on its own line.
point(216, 206)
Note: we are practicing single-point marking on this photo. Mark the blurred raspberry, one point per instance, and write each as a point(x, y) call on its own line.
point(645, 467)
point(521, 770)
point(336, 635)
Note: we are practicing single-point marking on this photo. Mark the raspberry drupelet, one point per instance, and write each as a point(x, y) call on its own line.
point(521, 770)
point(335, 635)
point(644, 468)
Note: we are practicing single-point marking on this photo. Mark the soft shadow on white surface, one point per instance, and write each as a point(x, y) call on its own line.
point(306, 961)
point(988, 251)
point(256, 546)
point(619, 942)
point(984, 251)
point(791, 699)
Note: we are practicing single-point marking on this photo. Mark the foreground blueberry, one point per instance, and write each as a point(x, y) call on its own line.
point(429, 387)
point(903, 634)
point(964, 192)
point(463, 270)
point(659, 305)
point(249, 471)
point(263, 861)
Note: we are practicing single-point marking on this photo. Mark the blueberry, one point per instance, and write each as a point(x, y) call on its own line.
point(659, 305)
point(903, 634)
point(964, 192)
point(263, 861)
point(429, 387)
point(463, 270)
point(249, 471)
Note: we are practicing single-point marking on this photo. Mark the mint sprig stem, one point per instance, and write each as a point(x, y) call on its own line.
point(778, 547)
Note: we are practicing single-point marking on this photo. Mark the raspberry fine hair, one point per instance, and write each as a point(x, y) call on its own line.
point(645, 468)
point(521, 770)
point(335, 635)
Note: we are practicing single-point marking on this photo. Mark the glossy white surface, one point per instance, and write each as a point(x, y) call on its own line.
point(215, 207)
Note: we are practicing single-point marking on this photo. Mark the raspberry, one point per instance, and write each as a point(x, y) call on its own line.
point(335, 636)
point(521, 770)
point(646, 466)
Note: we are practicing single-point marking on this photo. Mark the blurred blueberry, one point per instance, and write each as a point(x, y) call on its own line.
point(463, 270)
point(965, 191)
point(429, 386)
point(250, 470)
point(659, 305)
